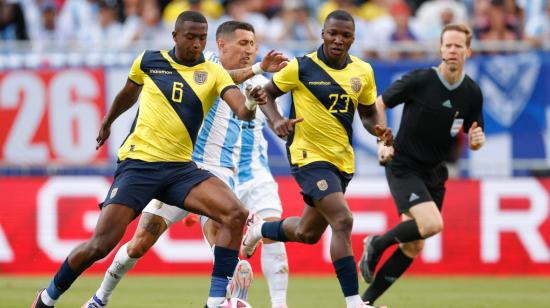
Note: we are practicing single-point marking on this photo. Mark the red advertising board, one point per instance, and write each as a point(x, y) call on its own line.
point(493, 226)
point(51, 116)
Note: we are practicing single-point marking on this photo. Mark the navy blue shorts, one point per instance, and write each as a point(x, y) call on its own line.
point(137, 182)
point(320, 179)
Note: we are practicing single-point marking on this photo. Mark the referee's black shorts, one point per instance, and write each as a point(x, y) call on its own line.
point(410, 186)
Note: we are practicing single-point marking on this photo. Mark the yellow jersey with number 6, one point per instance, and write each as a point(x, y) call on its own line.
point(326, 98)
point(174, 100)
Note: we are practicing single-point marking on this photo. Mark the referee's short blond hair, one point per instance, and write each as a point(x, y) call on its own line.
point(460, 28)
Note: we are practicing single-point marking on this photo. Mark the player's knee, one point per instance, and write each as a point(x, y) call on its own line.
point(236, 217)
point(136, 249)
point(343, 223)
point(412, 249)
point(97, 250)
point(308, 236)
point(431, 227)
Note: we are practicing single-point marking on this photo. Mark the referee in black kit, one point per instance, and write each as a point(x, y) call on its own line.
point(439, 103)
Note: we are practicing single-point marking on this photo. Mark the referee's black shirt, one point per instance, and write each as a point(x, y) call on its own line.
point(433, 114)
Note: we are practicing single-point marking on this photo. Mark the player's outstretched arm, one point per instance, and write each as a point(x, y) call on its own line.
point(279, 124)
point(272, 62)
point(245, 106)
point(373, 118)
point(476, 137)
point(124, 100)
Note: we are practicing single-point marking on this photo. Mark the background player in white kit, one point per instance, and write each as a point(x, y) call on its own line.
point(235, 151)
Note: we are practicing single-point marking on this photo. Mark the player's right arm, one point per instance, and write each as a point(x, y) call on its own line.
point(283, 81)
point(124, 100)
point(243, 107)
point(373, 116)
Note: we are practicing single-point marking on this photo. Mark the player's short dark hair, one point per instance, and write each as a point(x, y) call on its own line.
point(460, 28)
point(190, 16)
point(229, 27)
point(340, 15)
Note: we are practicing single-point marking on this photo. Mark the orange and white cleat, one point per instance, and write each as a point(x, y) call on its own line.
point(253, 235)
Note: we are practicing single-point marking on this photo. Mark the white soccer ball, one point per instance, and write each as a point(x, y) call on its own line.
point(234, 303)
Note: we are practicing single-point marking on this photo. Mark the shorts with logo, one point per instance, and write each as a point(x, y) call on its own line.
point(138, 182)
point(320, 179)
point(173, 214)
point(411, 186)
point(261, 194)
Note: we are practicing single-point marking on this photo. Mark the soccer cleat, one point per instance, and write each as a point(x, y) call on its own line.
point(369, 259)
point(234, 303)
point(366, 305)
point(240, 282)
point(94, 302)
point(253, 235)
point(38, 303)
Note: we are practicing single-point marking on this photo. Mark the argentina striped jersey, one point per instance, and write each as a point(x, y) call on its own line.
point(226, 141)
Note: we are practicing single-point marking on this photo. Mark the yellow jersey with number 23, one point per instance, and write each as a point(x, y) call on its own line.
point(326, 98)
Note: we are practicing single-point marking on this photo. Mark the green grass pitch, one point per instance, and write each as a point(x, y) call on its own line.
point(304, 292)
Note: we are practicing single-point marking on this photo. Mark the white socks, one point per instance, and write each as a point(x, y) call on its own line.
point(46, 299)
point(275, 269)
point(121, 264)
point(353, 301)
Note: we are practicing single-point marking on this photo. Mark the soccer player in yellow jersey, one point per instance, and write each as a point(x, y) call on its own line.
point(177, 88)
point(326, 86)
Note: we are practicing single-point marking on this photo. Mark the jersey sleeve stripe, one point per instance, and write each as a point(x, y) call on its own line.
point(227, 88)
point(276, 87)
point(134, 82)
point(165, 77)
point(309, 71)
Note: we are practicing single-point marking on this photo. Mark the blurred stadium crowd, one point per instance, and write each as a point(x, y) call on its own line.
point(410, 24)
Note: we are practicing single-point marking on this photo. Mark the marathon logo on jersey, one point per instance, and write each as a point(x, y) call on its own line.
point(356, 84)
point(322, 185)
point(200, 77)
point(159, 72)
point(318, 83)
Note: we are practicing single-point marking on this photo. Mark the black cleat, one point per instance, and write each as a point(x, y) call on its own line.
point(38, 303)
point(369, 259)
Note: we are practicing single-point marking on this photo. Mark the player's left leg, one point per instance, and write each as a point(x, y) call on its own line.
point(323, 188)
point(214, 199)
point(155, 220)
point(419, 222)
point(335, 210)
point(393, 268)
point(242, 277)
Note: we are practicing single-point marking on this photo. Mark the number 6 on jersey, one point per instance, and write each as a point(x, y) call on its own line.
point(177, 92)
